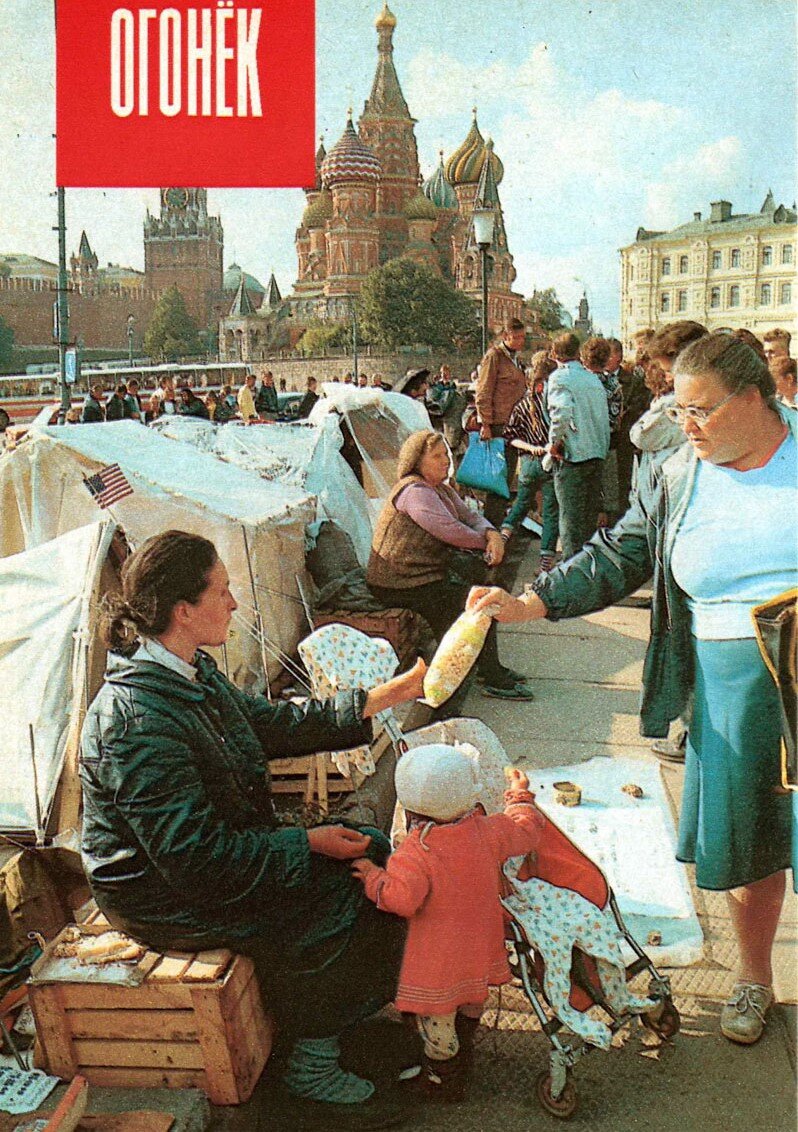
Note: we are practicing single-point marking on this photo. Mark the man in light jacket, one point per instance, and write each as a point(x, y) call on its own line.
point(579, 440)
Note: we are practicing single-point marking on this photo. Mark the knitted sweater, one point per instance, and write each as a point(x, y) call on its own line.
point(403, 554)
point(445, 881)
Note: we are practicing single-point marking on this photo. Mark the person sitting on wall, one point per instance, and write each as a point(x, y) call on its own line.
point(266, 401)
point(93, 408)
point(190, 405)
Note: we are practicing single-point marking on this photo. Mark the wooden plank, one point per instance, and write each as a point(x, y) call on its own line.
point(147, 962)
point(138, 1054)
point(52, 1030)
point(208, 966)
point(133, 1121)
point(322, 763)
point(249, 1034)
point(222, 1087)
point(168, 1025)
point(130, 1077)
point(159, 996)
point(71, 1107)
point(170, 969)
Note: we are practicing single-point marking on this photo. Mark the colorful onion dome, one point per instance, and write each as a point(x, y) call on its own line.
point(438, 190)
point(350, 160)
point(420, 207)
point(386, 18)
point(318, 212)
point(465, 164)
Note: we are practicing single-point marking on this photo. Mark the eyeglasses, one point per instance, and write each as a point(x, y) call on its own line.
point(678, 415)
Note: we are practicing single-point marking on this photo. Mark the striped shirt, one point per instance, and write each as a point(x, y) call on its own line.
point(528, 420)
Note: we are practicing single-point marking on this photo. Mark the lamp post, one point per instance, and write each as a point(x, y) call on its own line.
point(353, 312)
point(484, 223)
point(131, 322)
point(62, 309)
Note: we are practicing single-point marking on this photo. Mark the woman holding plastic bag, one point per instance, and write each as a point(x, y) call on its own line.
point(428, 547)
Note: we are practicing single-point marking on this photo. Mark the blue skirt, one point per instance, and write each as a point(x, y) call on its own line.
point(735, 824)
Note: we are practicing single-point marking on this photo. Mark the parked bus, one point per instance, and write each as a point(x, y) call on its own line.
point(23, 395)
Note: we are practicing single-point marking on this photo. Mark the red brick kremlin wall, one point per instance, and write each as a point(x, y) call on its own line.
point(98, 319)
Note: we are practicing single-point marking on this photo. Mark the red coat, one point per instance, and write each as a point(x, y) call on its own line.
point(445, 881)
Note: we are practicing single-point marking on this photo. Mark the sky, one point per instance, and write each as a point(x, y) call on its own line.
point(607, 115)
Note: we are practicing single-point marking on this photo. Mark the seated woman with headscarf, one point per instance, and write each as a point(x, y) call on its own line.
point(414, 562)
point(181, 843)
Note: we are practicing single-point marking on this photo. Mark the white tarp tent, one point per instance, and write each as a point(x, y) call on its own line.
point(379, 423)
point(47, 609)
point(300, 455)
point(258, 528)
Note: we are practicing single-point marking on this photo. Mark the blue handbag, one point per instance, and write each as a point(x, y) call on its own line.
point(484, 466)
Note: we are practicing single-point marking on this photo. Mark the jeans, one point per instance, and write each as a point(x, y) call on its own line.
point(578, 491)
point(531, 477)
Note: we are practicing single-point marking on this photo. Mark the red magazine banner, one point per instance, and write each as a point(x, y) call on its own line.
point(220, 96)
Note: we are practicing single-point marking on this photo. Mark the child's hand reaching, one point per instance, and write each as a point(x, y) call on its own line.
point(516, 779)
point(363, 867)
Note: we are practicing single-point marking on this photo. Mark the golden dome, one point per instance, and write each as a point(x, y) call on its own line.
point(465, 164)
point(386, 18)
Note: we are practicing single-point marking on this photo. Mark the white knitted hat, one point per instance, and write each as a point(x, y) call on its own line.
point(438, 780)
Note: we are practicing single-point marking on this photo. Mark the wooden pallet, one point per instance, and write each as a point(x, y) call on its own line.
point(315, 778)
point(194, 1021)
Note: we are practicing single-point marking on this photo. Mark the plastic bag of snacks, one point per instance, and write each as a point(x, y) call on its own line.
point(455, 656)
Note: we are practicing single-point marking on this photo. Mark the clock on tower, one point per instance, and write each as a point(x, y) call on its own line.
point(174, 198)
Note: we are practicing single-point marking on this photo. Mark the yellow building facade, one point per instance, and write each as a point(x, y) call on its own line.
point(726, 270)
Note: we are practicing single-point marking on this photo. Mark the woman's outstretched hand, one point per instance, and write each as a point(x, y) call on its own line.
point(338, 841)
point(500, 605)
point(408, 686)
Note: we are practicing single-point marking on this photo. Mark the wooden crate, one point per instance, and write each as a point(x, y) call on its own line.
point(316, 778)
point(195, 1021)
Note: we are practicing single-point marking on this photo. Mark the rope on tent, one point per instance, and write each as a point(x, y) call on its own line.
point(266, 644)
point(258, 618)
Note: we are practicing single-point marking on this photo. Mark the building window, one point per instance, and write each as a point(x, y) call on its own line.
point(767, 255)
point(786, 253)
point(715, 260)
point(631, 272)
point(666, 266)
point(786, 293)
point(714, 297)
point(684, 264)
point(734, 296)
point(735, 258)
point(681, 303)
point(766, 295)
point(665, 303)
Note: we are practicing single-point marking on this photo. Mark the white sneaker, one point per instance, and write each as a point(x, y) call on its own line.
point(743, 1016)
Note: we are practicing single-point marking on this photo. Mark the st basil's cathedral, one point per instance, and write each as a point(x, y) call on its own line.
point(369, 204)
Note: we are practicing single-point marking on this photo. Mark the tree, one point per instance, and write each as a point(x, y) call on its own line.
point(6, 342)
point(404, 303)
point(172, 332)
point(322, 336)
point(546, 312)
point(5, 269)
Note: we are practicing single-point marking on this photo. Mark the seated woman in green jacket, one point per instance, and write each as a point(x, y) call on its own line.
point(181, 843)
point(718, 534)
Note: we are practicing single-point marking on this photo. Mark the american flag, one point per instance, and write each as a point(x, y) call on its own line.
point(108, 485)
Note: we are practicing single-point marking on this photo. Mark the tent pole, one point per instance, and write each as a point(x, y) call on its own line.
point(258, 618)
point(39, 830)
point(305, 603)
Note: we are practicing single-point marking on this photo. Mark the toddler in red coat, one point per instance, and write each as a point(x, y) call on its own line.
point(445, 880)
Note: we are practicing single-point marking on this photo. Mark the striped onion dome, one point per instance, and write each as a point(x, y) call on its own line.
point(438, 190)
point(350, 160)
point(420, 207)
point(465, 164)
point(318, 212)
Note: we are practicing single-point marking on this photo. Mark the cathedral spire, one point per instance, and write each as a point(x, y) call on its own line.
point(386, 99)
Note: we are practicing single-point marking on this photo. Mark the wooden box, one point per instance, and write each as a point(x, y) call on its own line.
point(316, 777)
point(194, 1021)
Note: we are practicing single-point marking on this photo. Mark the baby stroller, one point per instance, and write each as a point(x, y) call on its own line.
point(564, 927)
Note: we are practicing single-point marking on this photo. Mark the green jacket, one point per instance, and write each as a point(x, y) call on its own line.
point(180, 841)
point(616, 562)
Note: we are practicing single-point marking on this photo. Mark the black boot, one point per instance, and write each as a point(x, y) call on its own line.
point(444, 1082)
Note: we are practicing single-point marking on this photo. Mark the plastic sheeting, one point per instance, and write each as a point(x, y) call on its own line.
point(44, 616)
point(254, 525)
point(301, 455)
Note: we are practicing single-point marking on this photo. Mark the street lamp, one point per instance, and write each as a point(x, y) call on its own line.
point(484, 223)
point(353, 312)
point(131, 322)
